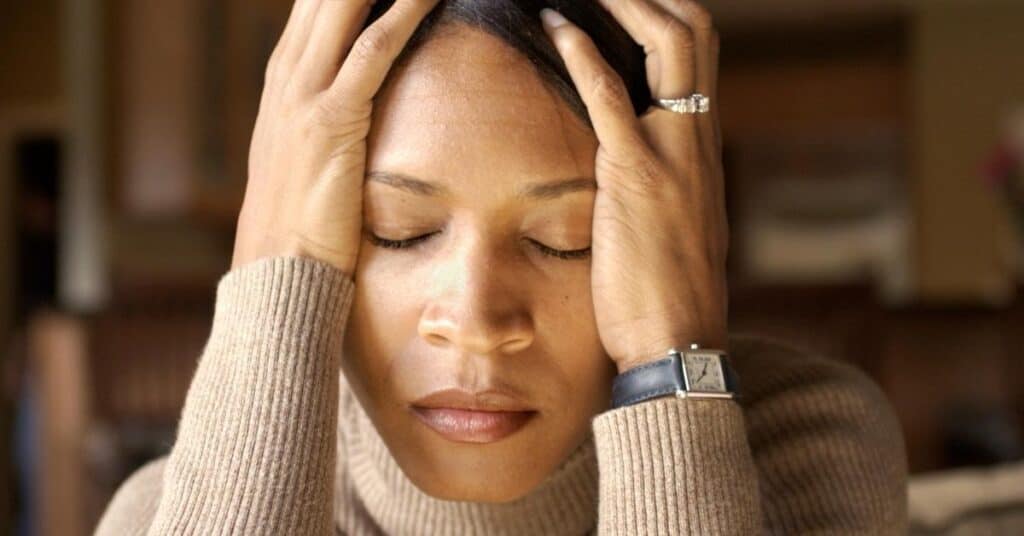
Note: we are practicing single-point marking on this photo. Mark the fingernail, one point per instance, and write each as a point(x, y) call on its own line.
point(552, 18)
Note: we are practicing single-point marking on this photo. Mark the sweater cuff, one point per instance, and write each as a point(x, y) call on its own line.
point(271, 291)
point(254, 452)
point(676, 466)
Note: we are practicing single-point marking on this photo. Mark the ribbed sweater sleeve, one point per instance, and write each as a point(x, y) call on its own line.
point(255, 448)
point(814, 447)
point(676, 466)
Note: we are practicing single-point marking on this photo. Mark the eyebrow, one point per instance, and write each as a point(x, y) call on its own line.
point(535, 191)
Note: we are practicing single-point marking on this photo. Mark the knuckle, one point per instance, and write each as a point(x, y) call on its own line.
point(273, 67)
point(327, 113)
point(608, 90)
point(638, 172)
point(649, 176)
point(269, 72)
point(677, 31)
point(336, 118)
point(374, 42)
point(574, 42)
point(699, 16)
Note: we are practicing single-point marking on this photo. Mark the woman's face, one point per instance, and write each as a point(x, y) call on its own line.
point(479, 302)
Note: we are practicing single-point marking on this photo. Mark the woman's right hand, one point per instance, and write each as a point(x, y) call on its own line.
point(307, 158)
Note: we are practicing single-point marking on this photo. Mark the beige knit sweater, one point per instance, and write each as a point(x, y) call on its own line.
point(272, 442)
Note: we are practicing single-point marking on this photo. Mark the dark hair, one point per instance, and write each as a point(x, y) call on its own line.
point(517, 22)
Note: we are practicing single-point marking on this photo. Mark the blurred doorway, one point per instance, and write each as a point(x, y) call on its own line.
point(37, 182)
point(35, 164)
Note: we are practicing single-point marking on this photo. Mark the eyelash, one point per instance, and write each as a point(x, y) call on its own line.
point(577, 254)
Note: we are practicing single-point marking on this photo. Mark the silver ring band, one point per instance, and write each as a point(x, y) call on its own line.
point(694, 104)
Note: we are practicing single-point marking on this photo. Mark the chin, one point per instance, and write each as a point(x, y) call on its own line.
point(475, 489)
point(490, 473)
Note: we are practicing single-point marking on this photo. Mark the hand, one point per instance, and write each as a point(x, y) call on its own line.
point(307, 160)
point(660, 235)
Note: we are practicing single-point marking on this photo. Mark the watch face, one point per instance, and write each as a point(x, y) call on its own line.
point(704, 373)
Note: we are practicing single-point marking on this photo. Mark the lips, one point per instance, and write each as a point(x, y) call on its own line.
point(481, 417)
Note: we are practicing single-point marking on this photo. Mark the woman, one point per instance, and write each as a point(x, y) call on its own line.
point(455, 198)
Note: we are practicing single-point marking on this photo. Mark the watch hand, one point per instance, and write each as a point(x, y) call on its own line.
point(703, 372)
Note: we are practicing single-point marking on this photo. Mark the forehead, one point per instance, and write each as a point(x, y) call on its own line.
point(468, 109)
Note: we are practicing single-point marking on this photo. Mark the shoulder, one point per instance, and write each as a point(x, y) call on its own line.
point(786, 388)
point(772, 370)
point(134, 505)
point(822, 433)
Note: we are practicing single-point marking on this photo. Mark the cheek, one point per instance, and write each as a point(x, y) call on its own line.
point(567, 306)
point(568, 330)
point(383, 318)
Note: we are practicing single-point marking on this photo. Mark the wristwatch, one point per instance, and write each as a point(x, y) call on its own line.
point(697, 372)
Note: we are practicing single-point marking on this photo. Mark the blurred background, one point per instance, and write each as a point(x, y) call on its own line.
point(873, 150)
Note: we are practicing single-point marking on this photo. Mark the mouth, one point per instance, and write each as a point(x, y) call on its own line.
point(473, 417)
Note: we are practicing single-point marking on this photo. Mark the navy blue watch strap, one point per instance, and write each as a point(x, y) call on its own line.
point(650, 380)
point(732, 381)
point(660, 378)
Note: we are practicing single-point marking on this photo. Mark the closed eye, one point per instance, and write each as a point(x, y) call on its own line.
point(408, 243)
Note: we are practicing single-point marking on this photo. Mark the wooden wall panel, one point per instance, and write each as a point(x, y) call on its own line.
point(967, 76)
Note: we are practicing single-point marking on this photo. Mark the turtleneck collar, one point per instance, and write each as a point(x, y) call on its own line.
point(564, 504)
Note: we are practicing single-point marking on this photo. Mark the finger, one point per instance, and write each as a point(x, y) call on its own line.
point(601, 88)
point(671, 73)
point(699, 21)
point(715, 117)
point(335, 27)
point(668, 42)
point(367, 64)
point(296, 32)
point(705, 44)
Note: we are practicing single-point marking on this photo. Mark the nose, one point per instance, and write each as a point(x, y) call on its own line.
point(478, 304)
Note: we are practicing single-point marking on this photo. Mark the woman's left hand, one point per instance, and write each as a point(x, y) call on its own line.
point(660, 234)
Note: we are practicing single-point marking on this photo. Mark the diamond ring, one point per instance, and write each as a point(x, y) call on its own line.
point(694, 104)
